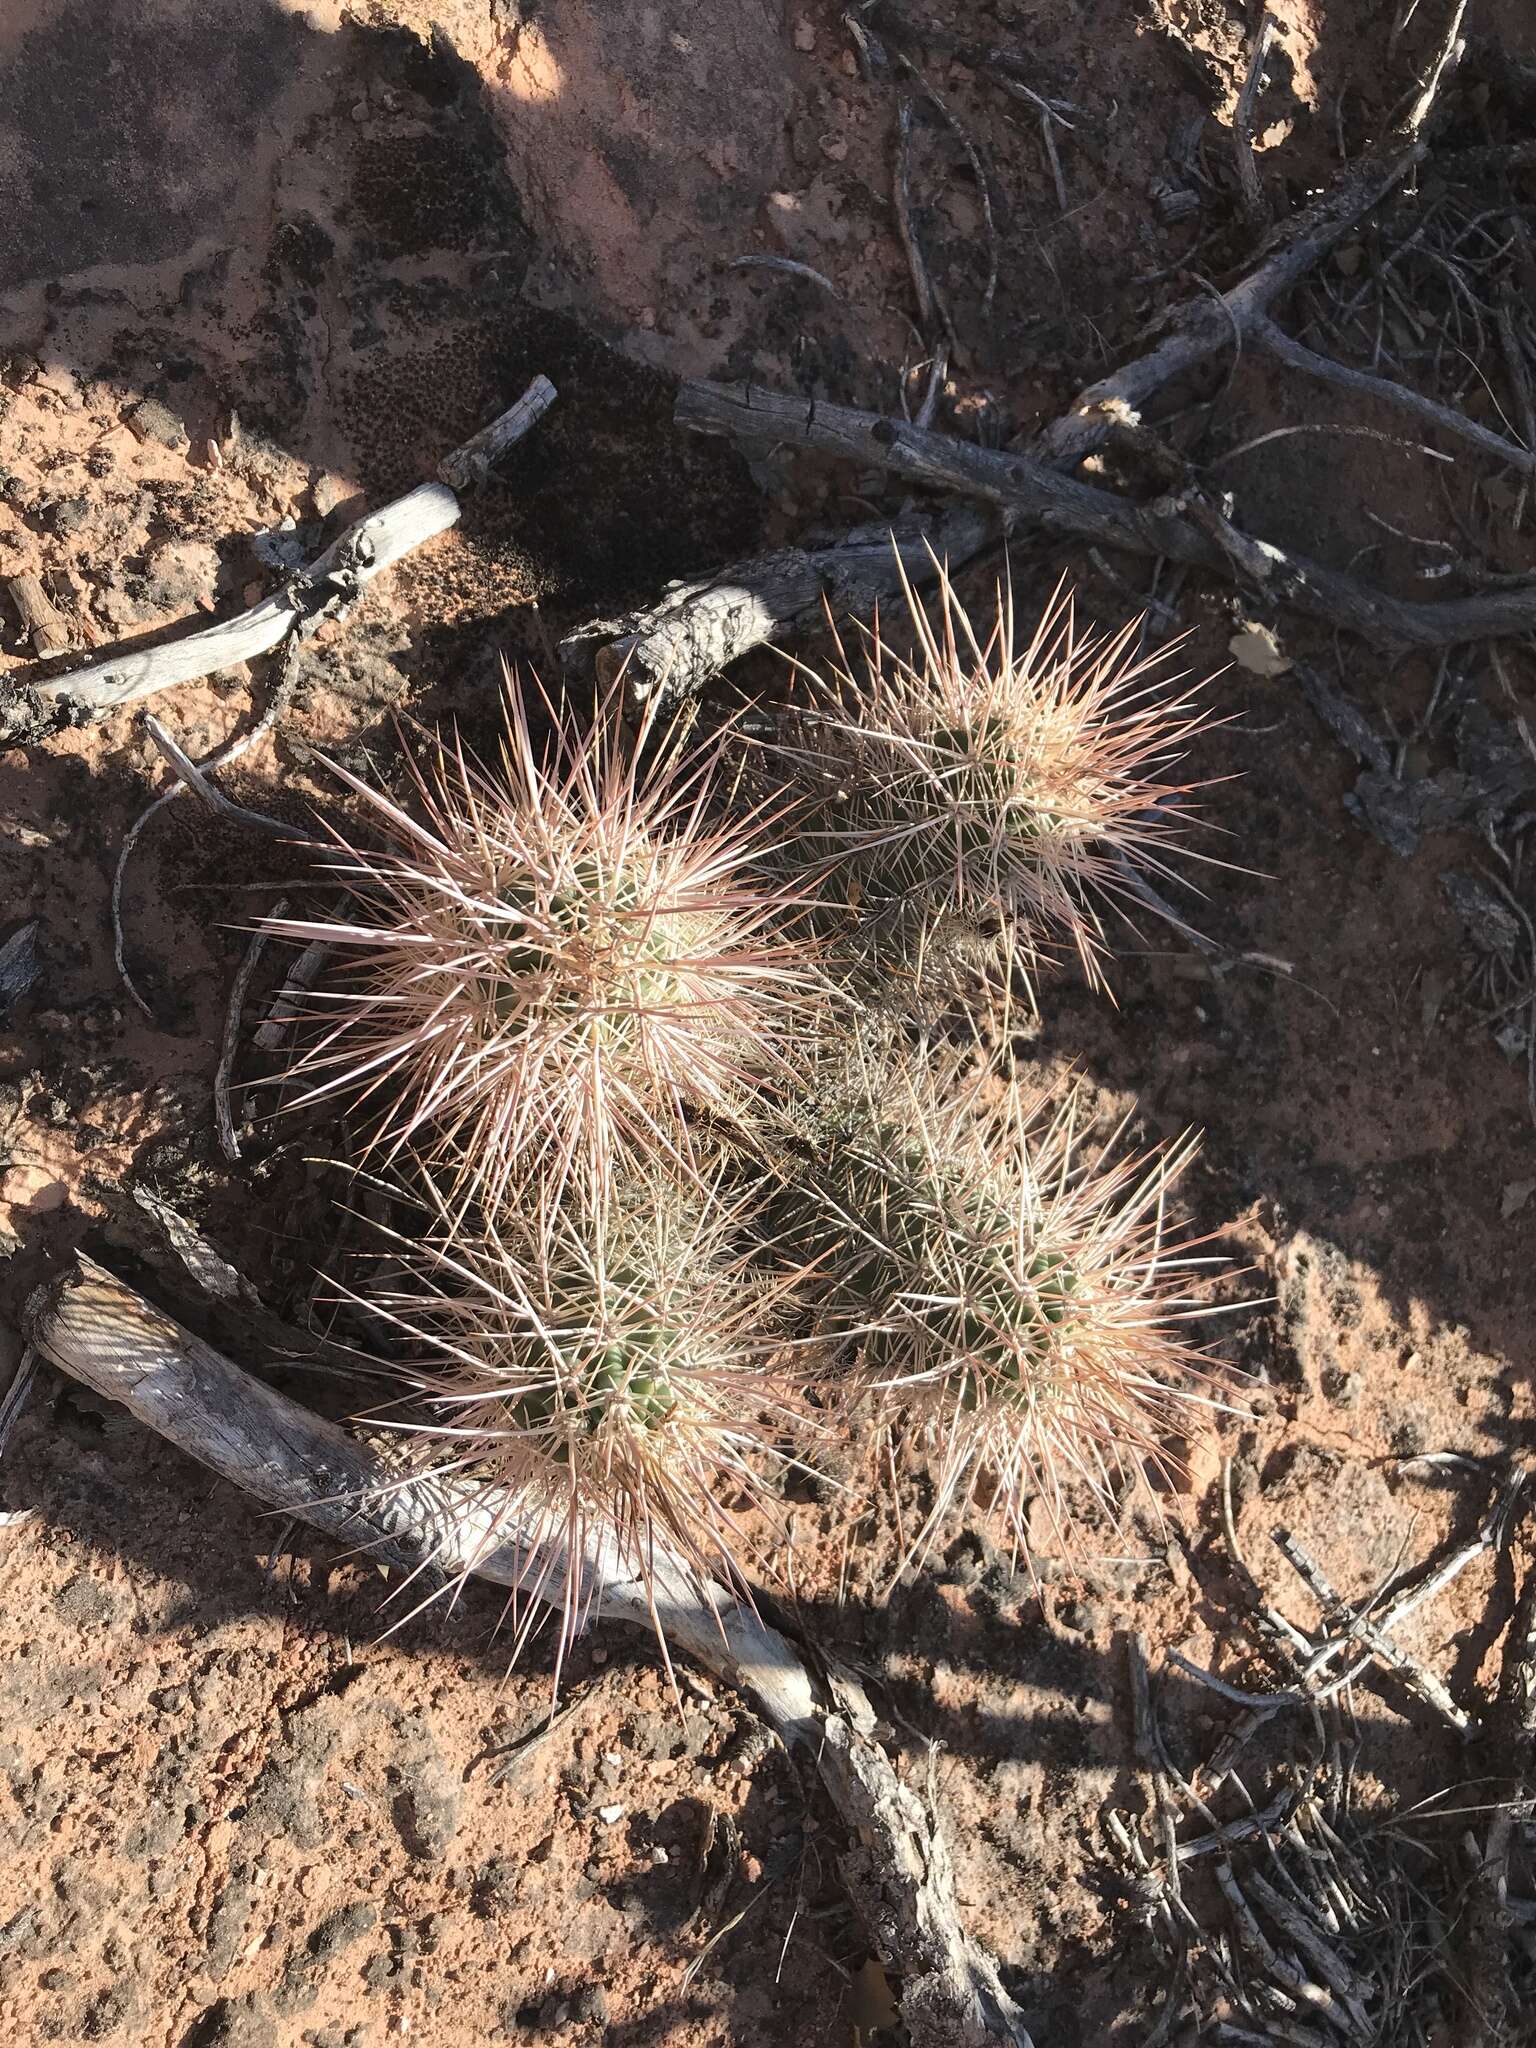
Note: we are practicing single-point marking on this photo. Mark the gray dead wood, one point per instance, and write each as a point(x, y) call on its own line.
point(98, 1331)
point(671, 650)
point(1203, 327)
point(1032, 492)
point(470, 466)
point(41, 620)
point(1295, 355)
point(330, 584)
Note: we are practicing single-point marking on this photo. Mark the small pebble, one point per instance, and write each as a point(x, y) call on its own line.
point(609, 1814)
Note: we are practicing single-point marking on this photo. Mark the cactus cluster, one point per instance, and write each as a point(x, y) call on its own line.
point(692, 1181)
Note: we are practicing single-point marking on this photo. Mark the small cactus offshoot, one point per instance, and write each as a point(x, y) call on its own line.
point(617, 1373)
point(553, 962)
point(1001, 1285)
point(979, 804)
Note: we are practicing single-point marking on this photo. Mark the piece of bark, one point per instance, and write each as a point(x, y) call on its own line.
point(1042, 496)
point(41, 620)
point(330, 583)
point(98, 1331)
point(673, 649)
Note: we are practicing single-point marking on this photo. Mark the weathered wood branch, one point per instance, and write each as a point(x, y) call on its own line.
point(367, 548)
point(329, 584)
point(470, 466)
point(1203, 327)
point(97, 1330)
point(673, 648)
point(1032, 492)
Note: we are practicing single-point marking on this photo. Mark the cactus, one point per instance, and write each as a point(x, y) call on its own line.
point(997, 1282)
point(556, 963)
point(976, 806)
point(619, 1370)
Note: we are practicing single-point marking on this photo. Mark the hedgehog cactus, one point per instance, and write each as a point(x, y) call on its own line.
point(556, 963)
point(996, 1283)
point(978, 804)
point(618, 1372)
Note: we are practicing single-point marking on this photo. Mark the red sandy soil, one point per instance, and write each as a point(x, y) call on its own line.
point(329, 246)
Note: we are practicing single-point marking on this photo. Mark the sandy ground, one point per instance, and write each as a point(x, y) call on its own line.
point(260, 264)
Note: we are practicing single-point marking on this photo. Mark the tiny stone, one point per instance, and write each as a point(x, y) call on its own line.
point(152, 421)
point(609, 1814)
point(68, 515)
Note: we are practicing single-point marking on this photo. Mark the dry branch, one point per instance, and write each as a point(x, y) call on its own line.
point(1255, 205)
point(98, 1331)
point(1297, 356)
point(338, 576)
point(466, 468)
point(1204, 326)
point(675, 647)
point(1032, 492)
point(330, 583)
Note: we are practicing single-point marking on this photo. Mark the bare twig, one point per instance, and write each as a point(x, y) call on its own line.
point(1520, 377)
point(221, 757)
point(15, 1396)
point(790, 268)
point(1264, 334)
point(1053, 160)
point(1517, 1682)
point(224, 1074)
point(211, 797)
point(1203, 327)
point(1339, 1615)
point(1447, 55)
point(288, 1003)
point(929, 300)
point(1301, 1932)
point(1264, 1703)
point(1012, 72)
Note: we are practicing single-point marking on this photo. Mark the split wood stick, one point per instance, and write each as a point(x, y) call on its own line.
point(41, 620)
